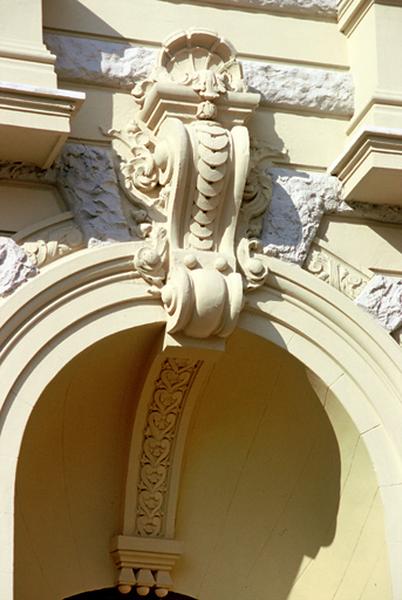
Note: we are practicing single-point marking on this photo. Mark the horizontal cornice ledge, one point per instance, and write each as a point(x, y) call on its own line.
point(45, 112)
point(310, 8)
point(350, 12)
point(370, 167)
point(380, 98)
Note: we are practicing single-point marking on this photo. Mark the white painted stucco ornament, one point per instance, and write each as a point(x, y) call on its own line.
point(197, 196)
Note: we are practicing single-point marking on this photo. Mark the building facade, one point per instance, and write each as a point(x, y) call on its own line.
point(201, 299)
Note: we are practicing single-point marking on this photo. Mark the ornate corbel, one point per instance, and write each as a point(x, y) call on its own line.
point(195, 195)
point(197, 198)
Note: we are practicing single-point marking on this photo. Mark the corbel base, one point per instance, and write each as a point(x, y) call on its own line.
point(145, 563)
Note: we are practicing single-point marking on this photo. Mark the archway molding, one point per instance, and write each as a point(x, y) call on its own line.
point(92, 295)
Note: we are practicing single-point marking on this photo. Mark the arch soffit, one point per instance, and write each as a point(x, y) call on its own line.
point(350, 353)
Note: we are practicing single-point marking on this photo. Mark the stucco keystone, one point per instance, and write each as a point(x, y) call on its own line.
point(193, 179)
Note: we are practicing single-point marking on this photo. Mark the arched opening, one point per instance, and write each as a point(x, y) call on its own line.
point(277, 487)
point(279, 497)
point(72, 469)
point(87, 298)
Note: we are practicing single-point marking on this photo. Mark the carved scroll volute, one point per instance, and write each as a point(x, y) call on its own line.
point(193, 111)
point(203, 294)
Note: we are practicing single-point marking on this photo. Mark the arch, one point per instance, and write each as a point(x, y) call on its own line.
point(92, 294)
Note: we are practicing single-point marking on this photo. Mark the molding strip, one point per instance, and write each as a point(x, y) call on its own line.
point(310, 8)
point(118, 65)
point(162, 421)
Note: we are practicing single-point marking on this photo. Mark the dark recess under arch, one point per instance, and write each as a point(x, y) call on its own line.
point(114, 594)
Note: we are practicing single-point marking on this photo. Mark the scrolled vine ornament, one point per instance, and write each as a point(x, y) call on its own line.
point(64, 241)
point(185, 160)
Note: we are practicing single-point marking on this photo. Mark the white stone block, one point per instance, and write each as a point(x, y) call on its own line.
point(120, 65)
point(15, 266)
point(299, 200)
point(319, 90)
point(87, 179)
point(382, 298)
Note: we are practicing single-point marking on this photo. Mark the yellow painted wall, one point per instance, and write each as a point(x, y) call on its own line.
point(71, 473)
point(278, 498)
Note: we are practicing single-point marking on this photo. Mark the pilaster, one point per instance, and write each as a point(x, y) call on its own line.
point(371, 165)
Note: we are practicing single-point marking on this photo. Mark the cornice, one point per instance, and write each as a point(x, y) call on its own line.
point(23, 51)
point(28, 98)
point(350, 12)
point(145, 563)
point(365, 132)
point(370, 166)
point(314, 9)
point(45, 112)
point(379, 97)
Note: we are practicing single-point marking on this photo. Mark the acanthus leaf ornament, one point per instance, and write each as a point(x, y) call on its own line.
point(59, 242)
point(185, 164)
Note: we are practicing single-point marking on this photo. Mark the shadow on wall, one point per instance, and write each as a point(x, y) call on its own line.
point(74, 11)
point(261, 482)
point(72, 468)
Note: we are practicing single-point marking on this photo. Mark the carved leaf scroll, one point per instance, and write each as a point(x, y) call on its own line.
point(164, 412)
point(335, 272)
point(185, 168)
point(57, 243)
